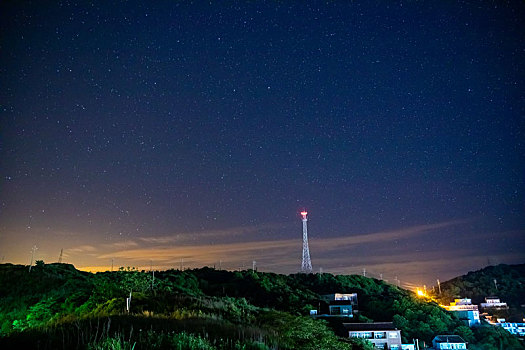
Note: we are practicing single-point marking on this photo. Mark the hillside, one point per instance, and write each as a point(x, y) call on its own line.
point(58, 307)
point(505, 281)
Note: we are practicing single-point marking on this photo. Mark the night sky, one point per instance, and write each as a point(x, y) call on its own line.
point(146, 132)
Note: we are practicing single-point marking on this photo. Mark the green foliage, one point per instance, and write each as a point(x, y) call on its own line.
point(495, 338)
point(510, 285)
point(361, 344)
point(299, 332)
point(207, 309)
point(111, 343)
point(189, 341)
point(420, 319)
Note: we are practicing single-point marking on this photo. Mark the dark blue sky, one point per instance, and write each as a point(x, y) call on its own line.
point(131, 126)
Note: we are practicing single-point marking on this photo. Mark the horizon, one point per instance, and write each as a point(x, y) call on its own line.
point(147, 269)
point(162, 131)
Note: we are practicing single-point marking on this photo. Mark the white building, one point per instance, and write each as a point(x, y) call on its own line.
point(493, 303)
point(465, 311)
point(448, 342)
point(380, 334)
point(342, 296)
point(513, 328)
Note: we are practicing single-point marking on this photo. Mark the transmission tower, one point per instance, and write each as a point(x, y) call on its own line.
point(306, 266)
point(60, 256)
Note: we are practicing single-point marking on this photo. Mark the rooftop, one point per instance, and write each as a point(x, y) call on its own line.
point(376, 326)
point(340, 302)
point(448, 339)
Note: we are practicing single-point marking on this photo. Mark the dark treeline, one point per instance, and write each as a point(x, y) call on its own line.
point(56, 306)
point(504, 281)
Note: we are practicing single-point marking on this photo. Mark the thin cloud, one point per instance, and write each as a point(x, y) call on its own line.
point(390, 253)
point(83, 249)
point(192, 236)
point(283, 251)
point(122, 245)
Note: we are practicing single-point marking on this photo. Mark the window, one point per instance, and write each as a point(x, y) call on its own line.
point(392, 335)
point(366, 335)
point(335, 310)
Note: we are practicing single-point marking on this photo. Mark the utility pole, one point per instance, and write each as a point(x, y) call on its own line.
point(128, 301)
point(152, 279)
point(181, 264)
point(253, 265)
point(439, 287)
point(152, 273)
point(220, 264)
point(60, 256)
point(112, 264)
point(32, 256)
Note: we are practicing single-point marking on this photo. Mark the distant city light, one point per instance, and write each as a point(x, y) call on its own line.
point(421, 293)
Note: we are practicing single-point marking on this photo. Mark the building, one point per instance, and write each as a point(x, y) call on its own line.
point(342, 296)
point(493, 303)
point(408, 347)
point(513, 328)
point(465, 311)
point(339, 305)
point(382, 334)
point(342, 308)
point(448, 342)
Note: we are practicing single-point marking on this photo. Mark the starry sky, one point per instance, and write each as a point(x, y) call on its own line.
point(146, 133)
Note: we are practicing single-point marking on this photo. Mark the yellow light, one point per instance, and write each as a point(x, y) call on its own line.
point(420, 293)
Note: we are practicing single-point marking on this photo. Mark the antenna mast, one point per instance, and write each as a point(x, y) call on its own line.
point(60, 256)
point(306, 266)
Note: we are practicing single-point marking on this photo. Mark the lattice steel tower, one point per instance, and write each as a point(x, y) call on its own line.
point(306, 266)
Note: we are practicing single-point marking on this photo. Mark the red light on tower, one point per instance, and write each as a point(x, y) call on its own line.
point(303, 214)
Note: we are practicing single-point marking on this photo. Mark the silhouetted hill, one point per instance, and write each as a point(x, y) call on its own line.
point(56, 306)
point(505, 281)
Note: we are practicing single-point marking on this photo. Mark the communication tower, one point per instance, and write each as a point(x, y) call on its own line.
point(306, 266)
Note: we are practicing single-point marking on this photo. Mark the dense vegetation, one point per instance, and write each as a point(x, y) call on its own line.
point(505, 281)
point(57, 306)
